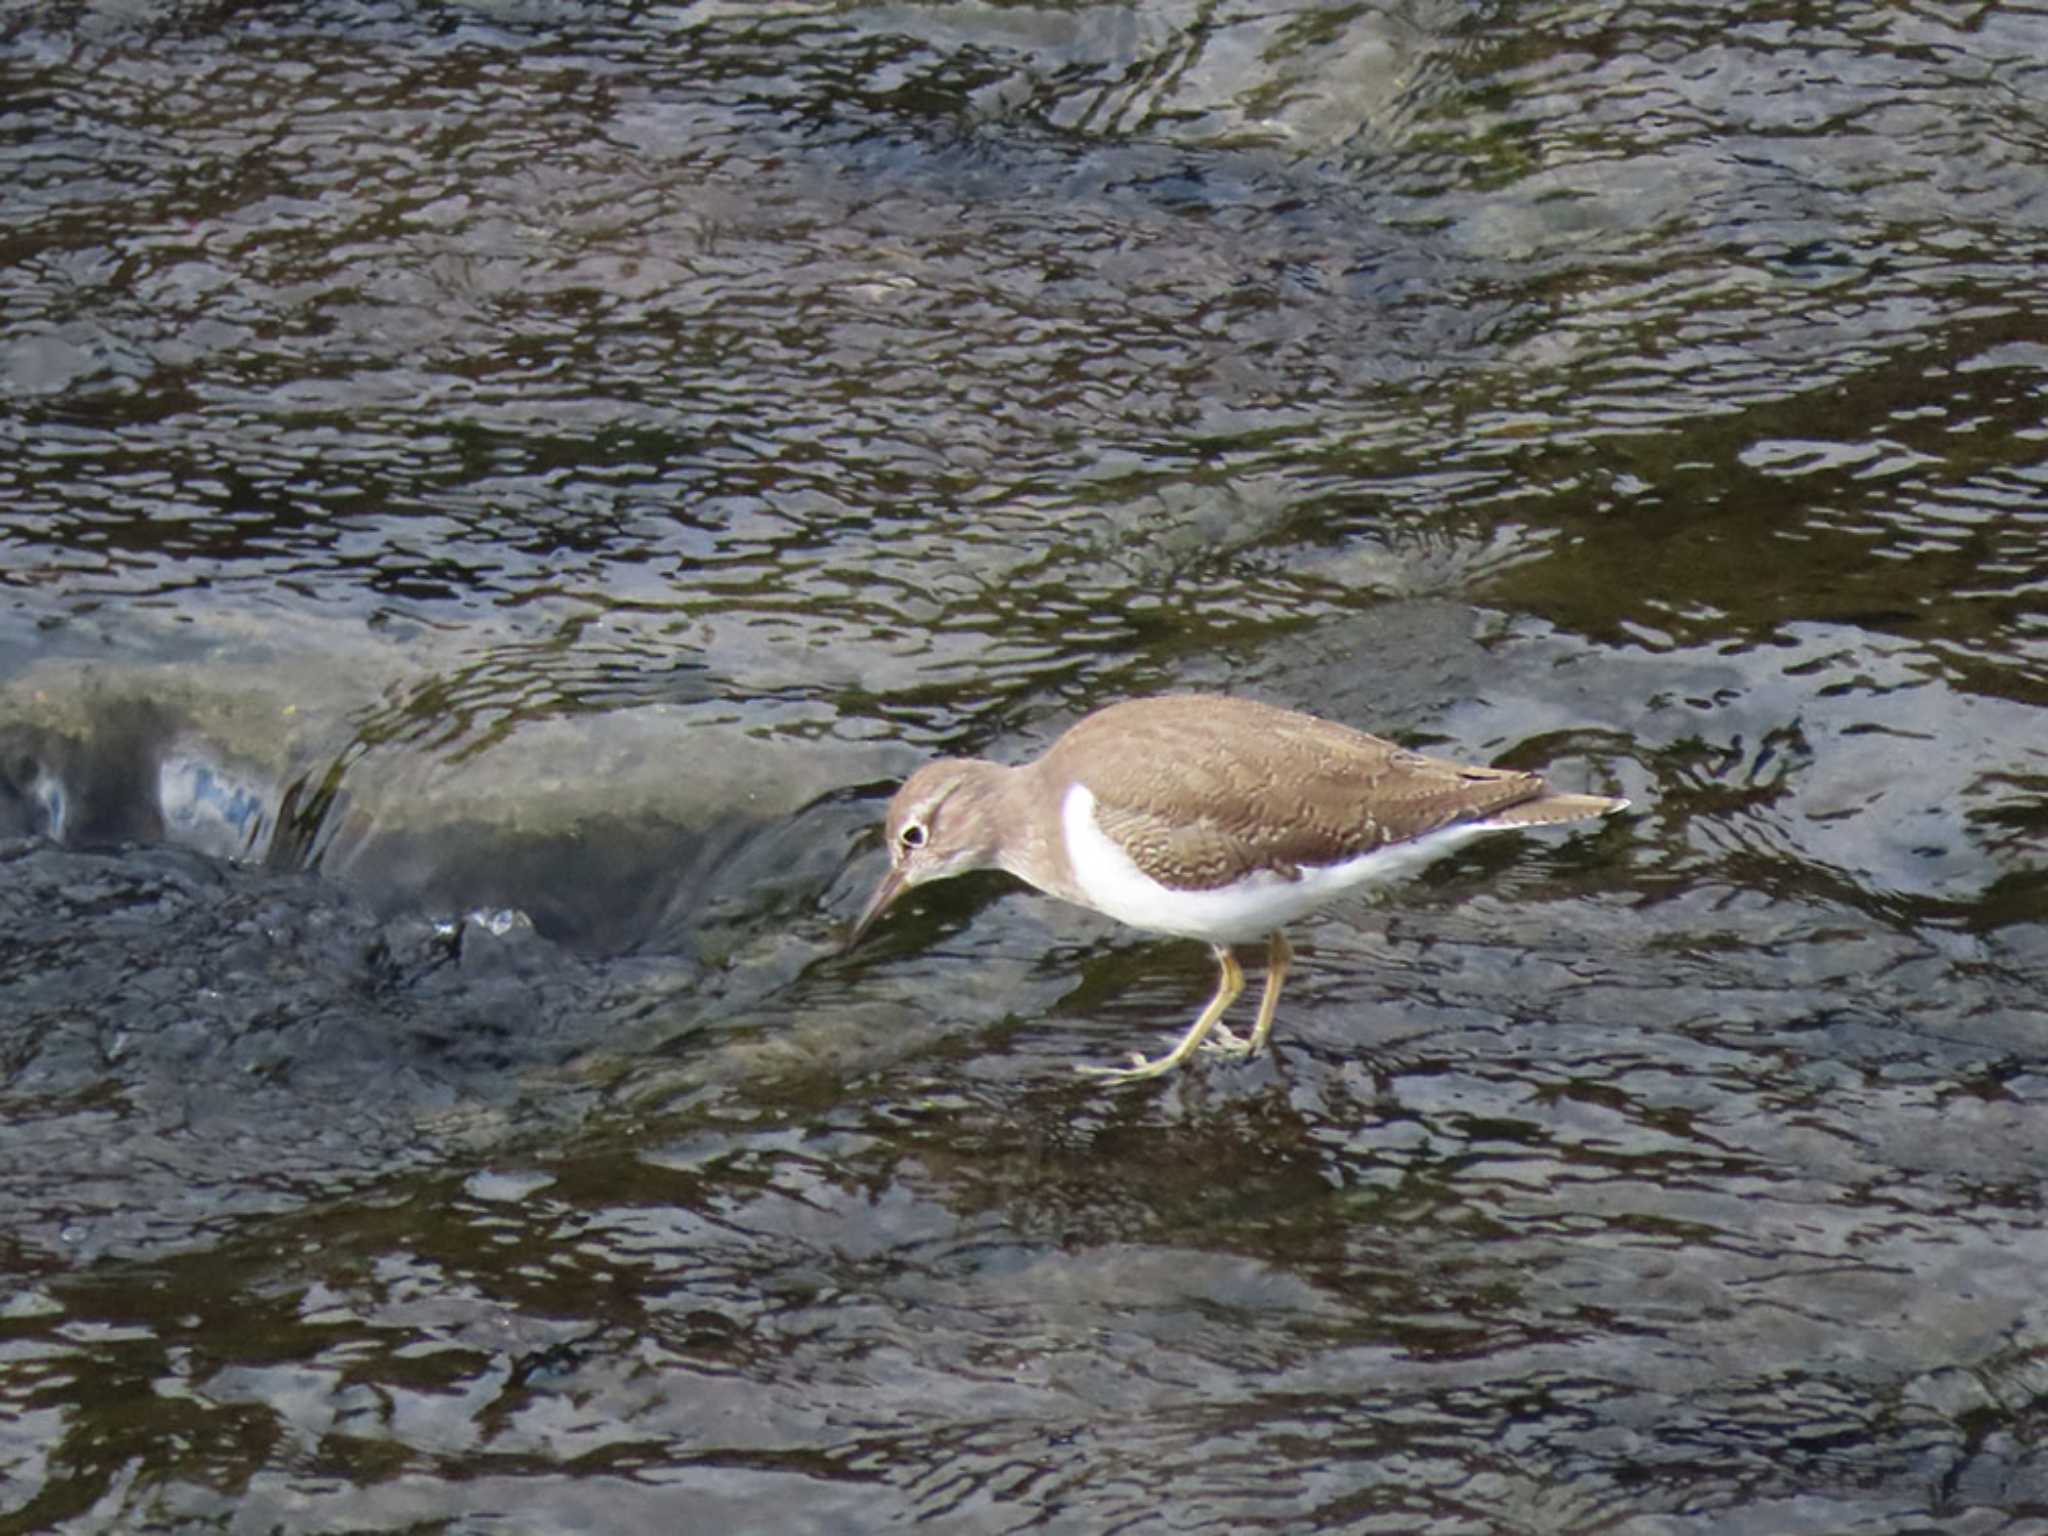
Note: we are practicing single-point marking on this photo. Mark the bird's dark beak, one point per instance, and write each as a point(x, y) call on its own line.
point(893, 885)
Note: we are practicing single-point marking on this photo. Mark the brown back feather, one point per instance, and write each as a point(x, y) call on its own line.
point(1275, 789)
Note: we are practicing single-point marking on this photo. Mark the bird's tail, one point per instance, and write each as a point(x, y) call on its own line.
point(1548, 808)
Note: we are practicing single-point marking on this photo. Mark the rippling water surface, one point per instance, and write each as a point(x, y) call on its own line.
point(493, 497)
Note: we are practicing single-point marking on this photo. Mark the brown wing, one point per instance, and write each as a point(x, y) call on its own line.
point(1201, 790)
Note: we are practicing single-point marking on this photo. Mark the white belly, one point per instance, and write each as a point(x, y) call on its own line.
point(1232, 914)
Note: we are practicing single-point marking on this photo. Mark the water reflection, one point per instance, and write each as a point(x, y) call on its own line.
point(489, 503)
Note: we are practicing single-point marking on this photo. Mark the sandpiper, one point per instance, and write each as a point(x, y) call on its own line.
point(1209, 818)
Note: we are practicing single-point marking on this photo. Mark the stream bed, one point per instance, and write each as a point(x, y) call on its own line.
point(493, 498)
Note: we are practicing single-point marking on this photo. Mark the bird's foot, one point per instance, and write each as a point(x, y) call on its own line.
point(1219, 1041)
point(1224, 1041)
point(1141, 1067)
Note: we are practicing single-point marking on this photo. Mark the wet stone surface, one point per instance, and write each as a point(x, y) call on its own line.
point(492, 499)
point(187, 1044)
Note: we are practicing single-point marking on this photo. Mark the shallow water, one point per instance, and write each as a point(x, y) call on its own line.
point(492, 499)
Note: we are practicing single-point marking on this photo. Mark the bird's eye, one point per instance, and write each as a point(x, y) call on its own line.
point(912, 835)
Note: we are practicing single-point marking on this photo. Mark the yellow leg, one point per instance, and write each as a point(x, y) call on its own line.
point(1228, 986)
point(1279, 955)
point(1223, 1042)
